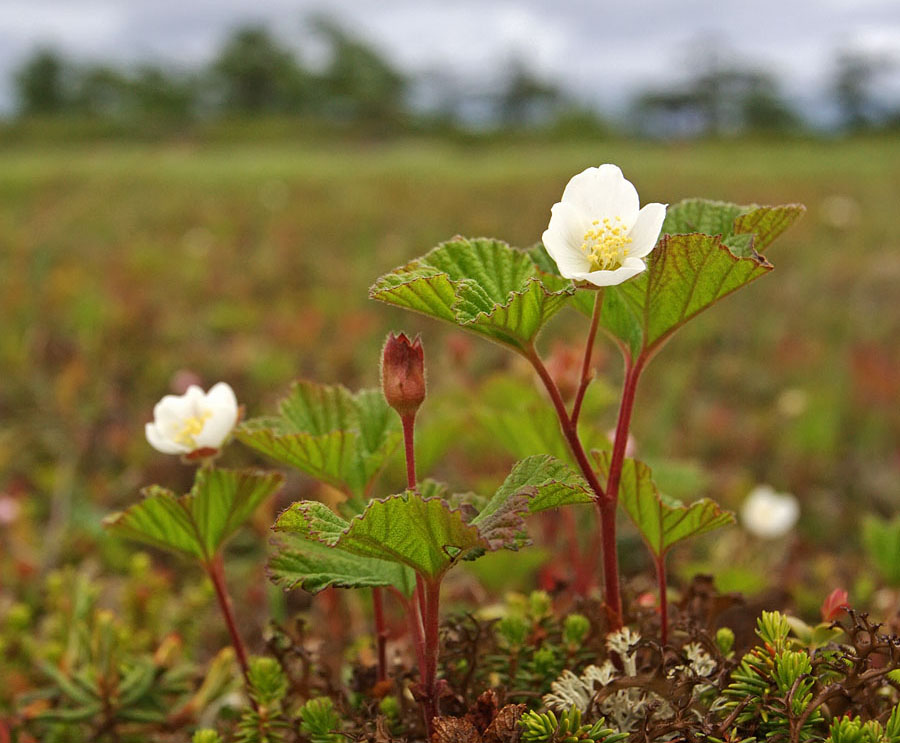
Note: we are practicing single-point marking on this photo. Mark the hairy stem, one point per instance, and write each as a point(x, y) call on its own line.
point(423, 609)
point(409, 425)
point(606, 508)
point(216, 570)
point(381, 633)
point(586, 375)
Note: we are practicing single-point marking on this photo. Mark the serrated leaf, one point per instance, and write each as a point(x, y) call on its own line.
point(548, 482)
point(708, 250)
point(685, 275)
point(313, 566)
point(479, 284)
point(423, 534)
point(198, 523)
point(760, 224)
point(328, 432)
point(662, 521)
point(535, 484)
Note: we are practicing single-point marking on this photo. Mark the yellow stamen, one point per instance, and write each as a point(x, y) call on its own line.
point(606, 246)
point(191, 428)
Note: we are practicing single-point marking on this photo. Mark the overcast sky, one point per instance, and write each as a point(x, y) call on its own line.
point(599, 49)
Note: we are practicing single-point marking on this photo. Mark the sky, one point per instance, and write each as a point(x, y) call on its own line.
point(600, 51)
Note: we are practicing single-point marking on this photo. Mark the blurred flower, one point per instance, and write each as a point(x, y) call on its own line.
point(839, 211)
point(630, 442)
point(834, 605)
point(792, 403)
point(195, 422)
point(597, 233)
point(9, 509)
point(767, 514)
point(403, 373)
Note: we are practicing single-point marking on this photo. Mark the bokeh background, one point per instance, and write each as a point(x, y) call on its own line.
point(194, 192)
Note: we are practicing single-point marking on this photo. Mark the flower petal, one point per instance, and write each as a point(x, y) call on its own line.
point(603, 192)
point(221, 406)
point(563, 238)
point(631, 267)
point(162, 443)
point(221, 395)
point(647, 227)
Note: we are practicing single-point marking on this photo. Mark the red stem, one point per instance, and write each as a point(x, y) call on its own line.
point(415, 630)
point(632, 375)
point(427, 617)
point(663, 600)
point(606, 509)
point(381, 633)
point(409, 424)
point(586, 375)
point(216, 570)
point(431, 622)
point(607, 506)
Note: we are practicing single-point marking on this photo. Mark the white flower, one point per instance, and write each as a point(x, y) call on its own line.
point(767, 514)
point(194, 421)
point(597, 232)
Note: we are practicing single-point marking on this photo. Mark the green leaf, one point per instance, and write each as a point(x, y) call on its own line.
point(708, 250)
point(685, 275)
point(196, 524)
point(762, 224)
point(313, 566)
point(546, 482)
point(662, 521)
point(513, 413)
point(479, 284)
point(331, 434)
point(423, 534)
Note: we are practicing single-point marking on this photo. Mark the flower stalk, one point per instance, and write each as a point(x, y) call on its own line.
point(215, 568)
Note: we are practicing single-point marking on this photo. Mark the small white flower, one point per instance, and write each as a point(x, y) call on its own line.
point(767, 514)
point(194, 421)
point(598, 233)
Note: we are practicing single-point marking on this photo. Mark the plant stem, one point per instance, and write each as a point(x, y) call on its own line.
point(565, 423)
point(216, 570)
point(431, 622)
point(606, 508)
point(381, 633)
point(586, 375)
point(424, 622)
point(663, 600)
point(629, 388)
point(409, 424)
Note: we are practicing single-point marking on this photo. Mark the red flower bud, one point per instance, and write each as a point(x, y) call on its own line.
point(403, 373)
point(834, 605)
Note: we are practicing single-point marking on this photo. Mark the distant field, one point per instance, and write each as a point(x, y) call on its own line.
point(121, 265)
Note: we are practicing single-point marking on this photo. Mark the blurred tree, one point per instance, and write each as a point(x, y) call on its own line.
point(855, 80)
point(257, 74)
point(159, 93)
point(764, 108)
point(526, 100)
point(101, 91)
point(40, 85)
point(720, 98)
point(358, 82)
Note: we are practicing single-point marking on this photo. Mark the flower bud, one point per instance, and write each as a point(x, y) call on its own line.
point(834, 605)
point(403, 373)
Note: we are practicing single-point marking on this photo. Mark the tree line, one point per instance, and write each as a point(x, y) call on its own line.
point(255, 74)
